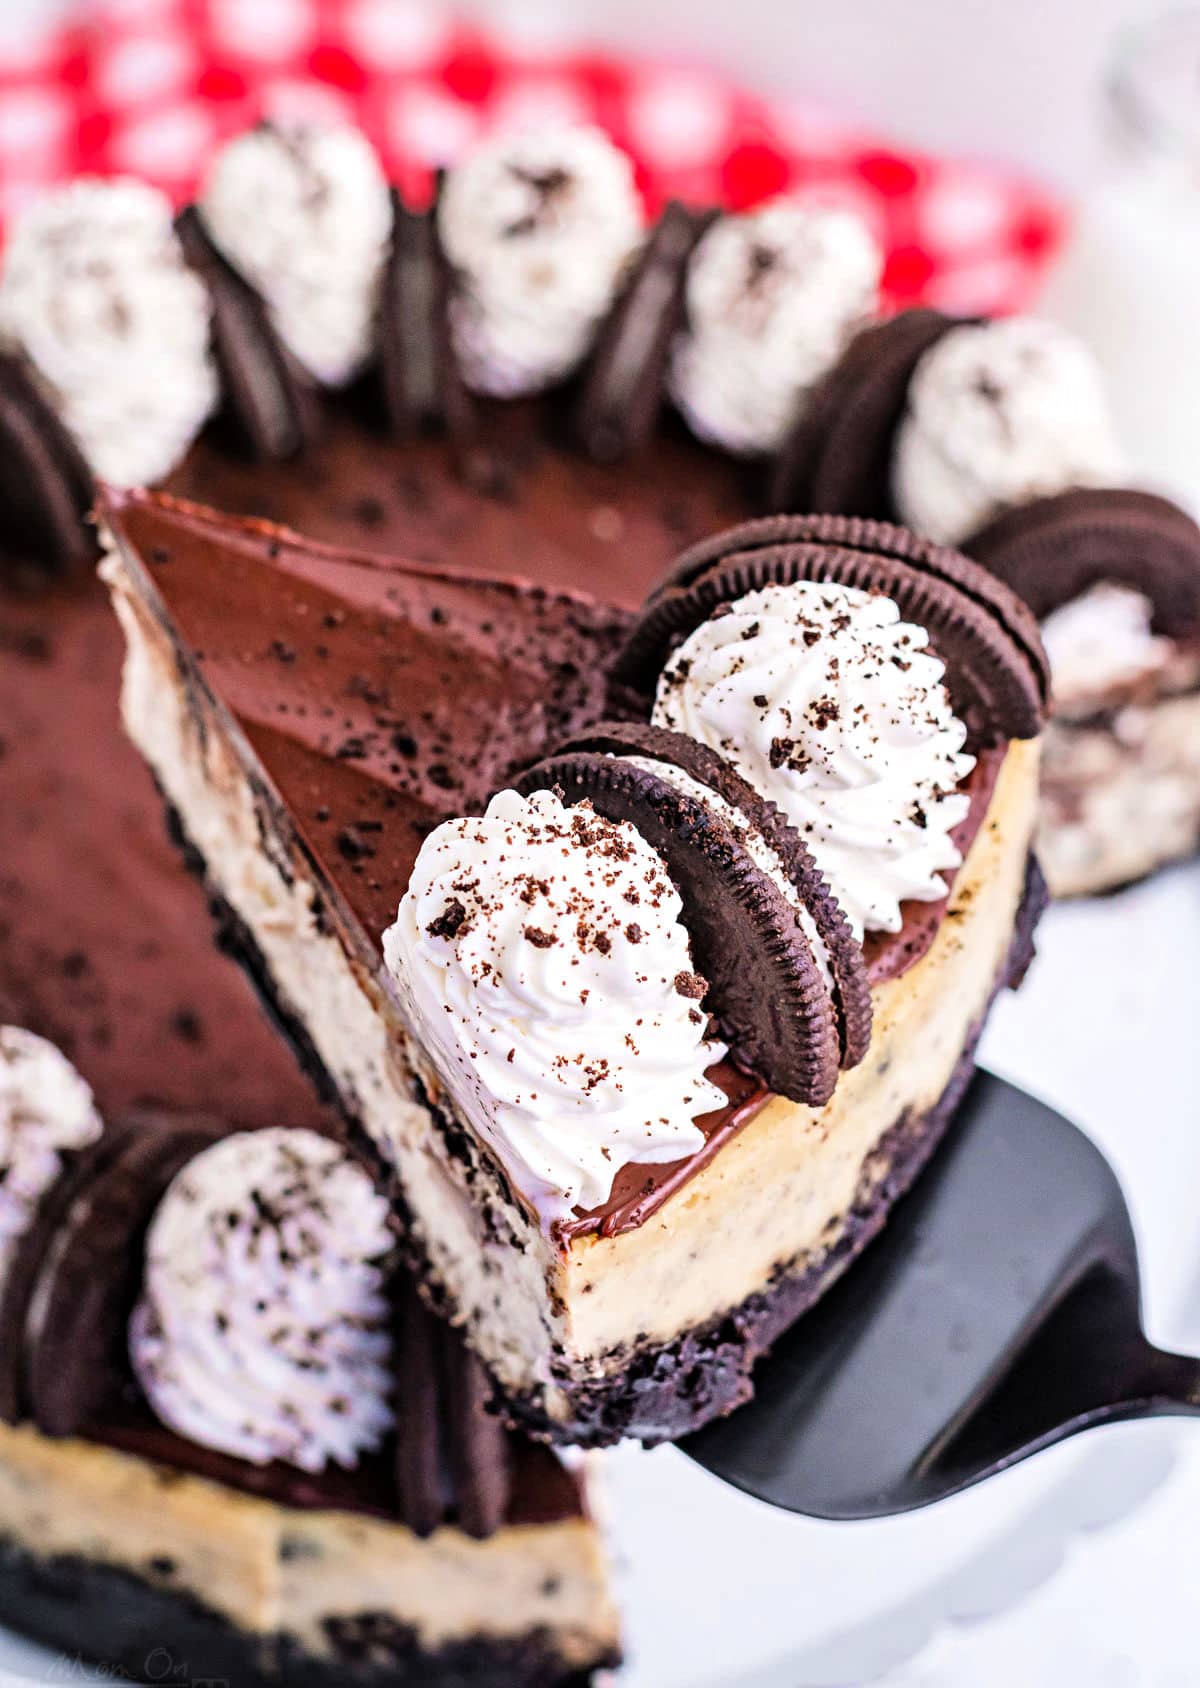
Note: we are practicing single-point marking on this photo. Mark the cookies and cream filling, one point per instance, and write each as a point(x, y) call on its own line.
point(539, 227)
point(304, 212)
point(1101, 642)
point(263, 1330)
point(96, 296)
point(832, 707)
point(999, 413)
point(772, 298)
point(46, 1110)
point(541, 960)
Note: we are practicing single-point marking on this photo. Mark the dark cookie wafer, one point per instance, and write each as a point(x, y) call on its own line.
point(995, 665)
point(268, 398)
point(852, 994)
point(453, 1458)
point(79, 1170)
point(625, 381)
point(422, 386)
point(1054, 549)
point(765, 991)
point(45, 485)
point(838, 457)
point(87, 1282)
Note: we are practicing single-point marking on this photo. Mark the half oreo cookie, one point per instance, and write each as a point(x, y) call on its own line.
point(1053, 550)
point(996, 668)
point(625, 381)
point(787, 985)
point(269, 400)
point(76, 1315)
point(838, 457)
point(45, 486)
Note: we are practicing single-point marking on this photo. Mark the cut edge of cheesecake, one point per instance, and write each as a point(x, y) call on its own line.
point(102, 1546)
point(588, 1338)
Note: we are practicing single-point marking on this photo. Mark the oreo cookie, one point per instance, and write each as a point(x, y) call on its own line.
point(766, 988)
point(851, 990)
point(838, 456)
point(987, 637)
point(74, 1338)
point(625, 382)
point(269, 400)
point(46, 487)
point(1054, 549)
point(422, 386)
point(79, 1171)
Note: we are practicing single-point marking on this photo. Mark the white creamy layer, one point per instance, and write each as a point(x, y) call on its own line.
point(263, 1326)
point(539, 227)
point(772, 298)
point(540, 957)
point(46, 1109)
point(830, 705)
point(752, 841)
point(1101, 641)
point(1000, 413)
point(304, 212)
point(96, 293)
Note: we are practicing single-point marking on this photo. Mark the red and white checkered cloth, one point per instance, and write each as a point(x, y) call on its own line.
point(150, 87)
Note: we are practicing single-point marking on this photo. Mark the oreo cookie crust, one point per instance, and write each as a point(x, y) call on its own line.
point(996, 669)
point(851, 992)
point(1054, 549)
point(765, 988)
point(838, 457)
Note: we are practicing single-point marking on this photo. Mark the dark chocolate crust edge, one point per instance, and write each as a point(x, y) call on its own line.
point(138, 1631)
point(666, 1392)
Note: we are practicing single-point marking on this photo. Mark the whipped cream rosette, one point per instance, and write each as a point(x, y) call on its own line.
point(263, 1328)
point(772, 297)
point(999, 413)
point(304, 213)
point(96, 297)
point(47, 1111)
point(539, 227)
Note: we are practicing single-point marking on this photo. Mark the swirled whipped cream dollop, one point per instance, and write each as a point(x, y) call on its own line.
point(539, 227)
point(1102, 641)
point(772, 298)
point(263, 1328)
point(46, 1110)
point(1000, 413)
point(95, 292)
point(304, 212)
point(830, 705)
point(541, 960)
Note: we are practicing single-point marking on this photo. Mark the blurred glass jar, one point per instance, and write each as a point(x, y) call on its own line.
point(1129, 278)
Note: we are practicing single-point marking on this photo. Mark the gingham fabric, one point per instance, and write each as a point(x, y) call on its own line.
point(150, 87)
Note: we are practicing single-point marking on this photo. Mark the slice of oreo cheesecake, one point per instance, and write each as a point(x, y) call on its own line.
point(230, 1432)
point(648, 1021)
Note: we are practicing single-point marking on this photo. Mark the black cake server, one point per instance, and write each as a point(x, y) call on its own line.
point(998, 1313)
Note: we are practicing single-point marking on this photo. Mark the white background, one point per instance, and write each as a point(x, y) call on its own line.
point(1090, 1575)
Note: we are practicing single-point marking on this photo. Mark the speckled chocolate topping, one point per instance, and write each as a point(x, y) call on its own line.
point(852, 997)
point(995, 666)
point(838, 457)
point(760, 978)
point(268, 400)
point(74, 1337)
point(45, 485)
point(625, 383)
point(1055, 549)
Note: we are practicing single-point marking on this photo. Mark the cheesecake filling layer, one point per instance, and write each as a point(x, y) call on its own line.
point(276, 1573)
point(542, 1316)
